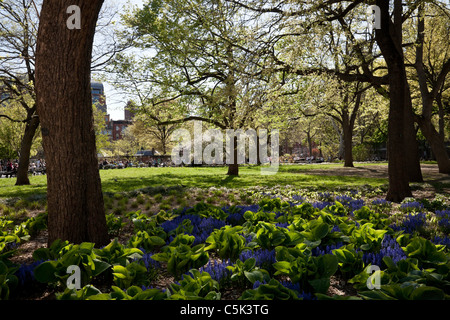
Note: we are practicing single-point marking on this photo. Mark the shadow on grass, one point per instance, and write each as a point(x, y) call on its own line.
point(157, 180)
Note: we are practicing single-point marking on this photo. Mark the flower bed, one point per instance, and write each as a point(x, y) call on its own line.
point(281, 246)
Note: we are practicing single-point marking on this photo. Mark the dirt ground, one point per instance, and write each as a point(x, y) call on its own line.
point(430, 174)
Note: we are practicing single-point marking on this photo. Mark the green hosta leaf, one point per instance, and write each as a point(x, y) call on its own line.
point(328, 265)
point(86, 248)
point(427, 293)
point(320, 285)
point(45, 272)
point(320, 231)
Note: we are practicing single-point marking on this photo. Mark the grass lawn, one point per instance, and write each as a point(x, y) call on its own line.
point(129, 179)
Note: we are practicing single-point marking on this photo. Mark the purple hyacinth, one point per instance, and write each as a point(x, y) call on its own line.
point(389, 248)
point(263, 258)
point(322, 250)
point(218, 270)
point(25, 273)
point(411, 223)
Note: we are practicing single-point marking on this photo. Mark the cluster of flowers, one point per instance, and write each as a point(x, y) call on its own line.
point(201, 227)
point(389, 248)
point(263, 258)
point(25, 273)
point(148, 261)
point(411, 206)
point(322, 204)
point(411, 223)
point(234, 218)
point(442, 241)
point(218, 270)
point(298, 198)
point(320, 250)
point(381, 202)
point(444, 220)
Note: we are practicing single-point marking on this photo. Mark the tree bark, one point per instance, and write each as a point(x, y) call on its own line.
point(434, 138)
point(437, 144)
point(64, 105)
point(347, 131)
point(388, 38)
point(412, 160)
point(25, 151)
point(233, 168)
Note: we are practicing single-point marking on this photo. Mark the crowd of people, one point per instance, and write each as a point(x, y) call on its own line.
point(10, 167)
point(125, 163)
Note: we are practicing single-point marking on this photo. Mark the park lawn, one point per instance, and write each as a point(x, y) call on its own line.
point(130, 179)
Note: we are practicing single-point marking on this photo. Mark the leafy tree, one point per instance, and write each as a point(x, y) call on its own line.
point(199, 57)
point(389, 79)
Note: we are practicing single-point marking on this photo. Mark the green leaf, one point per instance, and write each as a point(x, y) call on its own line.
point(320, 231)
point(86, 248)
point(45, 272)
point(427, 293)
point(320, 285)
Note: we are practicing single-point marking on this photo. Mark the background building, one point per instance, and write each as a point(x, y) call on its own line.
point(98, 96)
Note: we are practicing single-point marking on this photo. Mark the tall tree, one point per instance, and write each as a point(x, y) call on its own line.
point(18, 27)
point(431, 67)
point(315, 17)
point(64, 104)
point(200, 57)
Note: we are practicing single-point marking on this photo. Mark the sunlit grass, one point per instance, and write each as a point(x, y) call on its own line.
point(129, 179)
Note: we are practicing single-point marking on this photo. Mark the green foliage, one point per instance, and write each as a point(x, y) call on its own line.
point(247, 272)
point(117, 254)
point(6, 240)
point(8, 281)
point(427, 253)
point(181, 256)
point(366, 215)
point(82, 255)
point(349, 260)
point(310, 271)
point(89, 292)
point(304, 210)
point(206, 210)
point(275, 204)
point(227, 242)
point(146, 241)
point(269, 236)
point(114, 224)
point(273, 290)
point(407, 291)
point(366, 237)
point(197, 286)
point(260, 215)
point(134, 273)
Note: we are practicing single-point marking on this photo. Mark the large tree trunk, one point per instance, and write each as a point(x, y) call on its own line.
point(434, 138)
point(437, 144)
point(64, 105)
point(25, 151)
point(348, 143)
point(388, 38)
point(412, 160)
point(233, 168)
